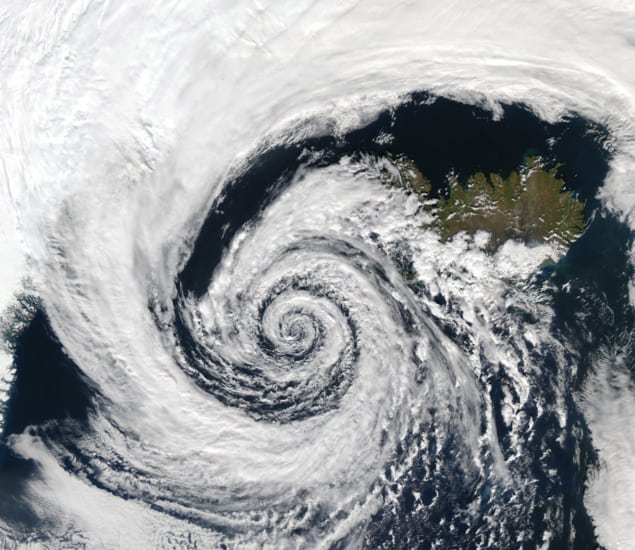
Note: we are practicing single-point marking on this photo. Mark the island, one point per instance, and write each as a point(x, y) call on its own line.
point(532, 204)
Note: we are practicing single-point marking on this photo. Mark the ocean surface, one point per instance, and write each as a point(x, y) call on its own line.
point(223, 328)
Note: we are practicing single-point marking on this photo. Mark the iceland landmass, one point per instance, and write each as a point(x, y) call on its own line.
point(531, 204)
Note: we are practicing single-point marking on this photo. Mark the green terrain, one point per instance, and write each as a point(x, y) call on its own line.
point(530, 205)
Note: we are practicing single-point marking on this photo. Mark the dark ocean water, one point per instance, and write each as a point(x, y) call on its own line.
point(588, 289)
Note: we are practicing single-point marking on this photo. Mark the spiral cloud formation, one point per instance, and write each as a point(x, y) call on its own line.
point(229, 322)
